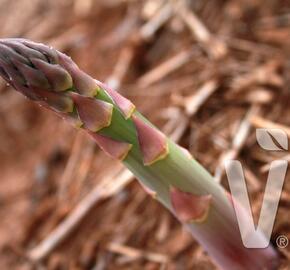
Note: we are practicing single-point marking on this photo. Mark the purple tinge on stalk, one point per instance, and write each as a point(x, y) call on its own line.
point(153, 143)
point(95, 114)
point(189, 207)
point(84, 84)
point(125, 105)
point(115, 149)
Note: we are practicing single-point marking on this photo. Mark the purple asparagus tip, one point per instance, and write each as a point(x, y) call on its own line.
point(41, 73)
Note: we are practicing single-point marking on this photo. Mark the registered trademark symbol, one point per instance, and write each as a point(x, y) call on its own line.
point(282, 241)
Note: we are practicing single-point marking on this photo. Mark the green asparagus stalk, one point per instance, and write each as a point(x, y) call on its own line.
point(166, 171)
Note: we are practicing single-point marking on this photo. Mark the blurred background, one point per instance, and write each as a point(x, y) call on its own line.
point(208, 73)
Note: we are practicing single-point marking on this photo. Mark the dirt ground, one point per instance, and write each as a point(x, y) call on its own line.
point(208, 73)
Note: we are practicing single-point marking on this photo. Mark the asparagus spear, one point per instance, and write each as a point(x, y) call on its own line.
point(166, 171)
